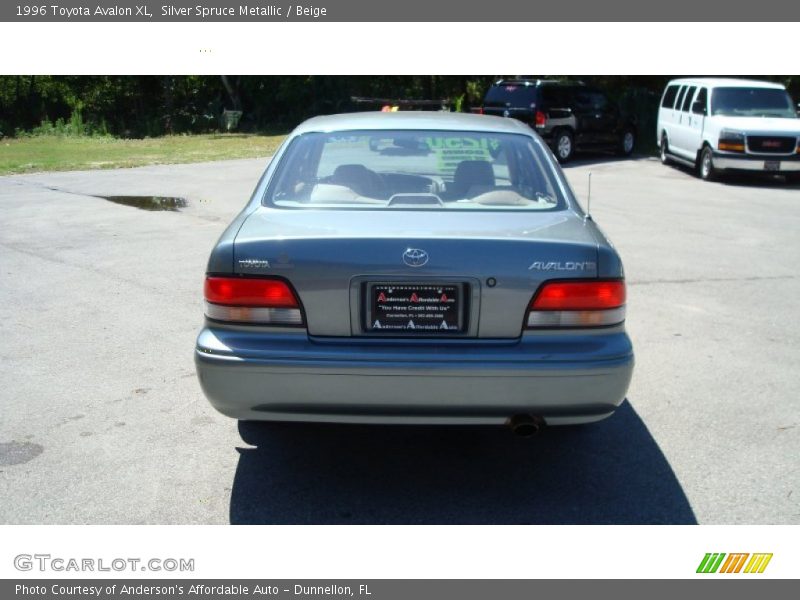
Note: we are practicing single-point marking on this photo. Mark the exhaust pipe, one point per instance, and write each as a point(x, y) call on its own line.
point(526, 425)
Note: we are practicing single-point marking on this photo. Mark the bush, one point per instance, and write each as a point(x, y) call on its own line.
point(75, 127)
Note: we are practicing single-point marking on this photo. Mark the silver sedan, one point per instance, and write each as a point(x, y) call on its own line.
point(414, 268)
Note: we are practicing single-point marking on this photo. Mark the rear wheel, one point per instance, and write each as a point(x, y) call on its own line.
point(664, 149)
point(627, 142)
point(564, 146)
point(707, 170)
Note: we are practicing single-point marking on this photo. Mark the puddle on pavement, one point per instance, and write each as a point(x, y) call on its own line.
point(18, 453)
point(149, 202)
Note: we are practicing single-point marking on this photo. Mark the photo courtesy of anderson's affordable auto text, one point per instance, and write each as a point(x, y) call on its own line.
point(432, 300)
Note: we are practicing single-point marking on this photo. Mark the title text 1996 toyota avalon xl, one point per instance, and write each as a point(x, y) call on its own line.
point(414, 268)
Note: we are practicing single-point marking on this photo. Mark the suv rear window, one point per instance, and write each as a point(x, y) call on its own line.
point(414, 170)
point(514, 95)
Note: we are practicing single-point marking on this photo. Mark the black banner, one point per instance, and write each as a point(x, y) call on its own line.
point(405, 11)
point(394, 589)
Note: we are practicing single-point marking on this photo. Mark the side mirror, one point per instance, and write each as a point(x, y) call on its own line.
point(699, 107)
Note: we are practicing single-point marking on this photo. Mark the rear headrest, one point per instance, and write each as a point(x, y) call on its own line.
point(358, 178)
point(471, 173)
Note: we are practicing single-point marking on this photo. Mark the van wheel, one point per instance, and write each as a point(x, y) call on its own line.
point(707, 170)
point(564, 145)
point(627, 142)
point(664, 149)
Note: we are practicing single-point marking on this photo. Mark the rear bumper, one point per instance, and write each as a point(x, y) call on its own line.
point(565, 378)
point(748, 162)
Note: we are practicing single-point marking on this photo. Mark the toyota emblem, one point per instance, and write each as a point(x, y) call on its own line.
point(414, 257)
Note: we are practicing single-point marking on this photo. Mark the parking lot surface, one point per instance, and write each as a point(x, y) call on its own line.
point(102, 419)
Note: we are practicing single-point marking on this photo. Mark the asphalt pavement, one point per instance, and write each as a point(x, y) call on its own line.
point(102, 419)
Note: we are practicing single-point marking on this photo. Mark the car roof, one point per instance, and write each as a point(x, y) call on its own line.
point(412, 120)
point(727, 82)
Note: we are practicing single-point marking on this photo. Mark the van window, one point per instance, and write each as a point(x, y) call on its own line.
point(752, 102)
point(702, 96)
point(679, 101)
point(668, 101)
point(687, 100)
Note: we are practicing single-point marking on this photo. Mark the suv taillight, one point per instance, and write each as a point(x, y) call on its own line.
point(540, 119)
point(578, 303)
point(261, 300)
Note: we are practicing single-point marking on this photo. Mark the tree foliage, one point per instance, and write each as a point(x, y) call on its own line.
point(142, 106)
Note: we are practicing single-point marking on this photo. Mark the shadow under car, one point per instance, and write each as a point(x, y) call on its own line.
point(608, 472)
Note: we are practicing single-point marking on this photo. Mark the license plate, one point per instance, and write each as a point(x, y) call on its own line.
point(772, 165)
point(415, 308)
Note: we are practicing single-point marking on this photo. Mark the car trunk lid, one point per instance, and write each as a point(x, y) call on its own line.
point(332, 256)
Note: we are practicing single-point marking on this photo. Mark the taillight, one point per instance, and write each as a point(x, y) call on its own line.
point(540, 119)
point(249, 300)
point(580, 303)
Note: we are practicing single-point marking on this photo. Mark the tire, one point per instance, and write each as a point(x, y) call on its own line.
point(563, 145)
point(664, 149)
point(627, 142)
point(705, 167)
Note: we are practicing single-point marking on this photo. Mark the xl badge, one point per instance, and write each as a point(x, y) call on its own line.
point(414, 257)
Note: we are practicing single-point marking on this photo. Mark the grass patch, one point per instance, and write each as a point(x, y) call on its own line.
point(67, 153)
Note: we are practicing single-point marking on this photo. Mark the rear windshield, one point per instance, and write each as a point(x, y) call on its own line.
point(444, 170)
point(752, 102)
point(511, 95)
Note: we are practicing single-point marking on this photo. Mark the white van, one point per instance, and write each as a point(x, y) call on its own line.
point(716, 125)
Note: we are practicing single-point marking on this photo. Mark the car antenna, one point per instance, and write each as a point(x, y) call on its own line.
point(589, 200)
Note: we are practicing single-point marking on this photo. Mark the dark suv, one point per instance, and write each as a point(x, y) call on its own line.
point(569, 116)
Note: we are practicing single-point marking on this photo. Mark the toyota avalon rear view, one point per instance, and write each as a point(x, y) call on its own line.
point(414, 268)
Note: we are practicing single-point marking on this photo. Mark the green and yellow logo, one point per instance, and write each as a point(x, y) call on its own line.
point(734, 563)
